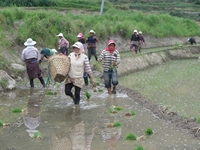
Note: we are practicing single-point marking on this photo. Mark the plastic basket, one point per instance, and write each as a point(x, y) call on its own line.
point(59, 67)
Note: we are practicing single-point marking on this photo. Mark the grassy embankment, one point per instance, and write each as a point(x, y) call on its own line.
point(42, 25)
point(180, 8)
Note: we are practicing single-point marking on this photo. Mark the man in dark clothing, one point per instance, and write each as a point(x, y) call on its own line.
point(192, 40)
point(134, 42)
point(91, 40)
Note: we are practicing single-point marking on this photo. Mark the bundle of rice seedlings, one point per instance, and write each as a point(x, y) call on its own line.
point(37, 135)
point(1, 123)
point(130, 136)
point(117, 124)
point(49, 93)
point(115, 109)
point(139, 148)
point(148, 131)
point(16, 110)
point(88, 95)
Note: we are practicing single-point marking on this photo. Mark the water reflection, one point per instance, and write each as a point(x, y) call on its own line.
point(73, 137)
point(111, 134)
point(31, 115)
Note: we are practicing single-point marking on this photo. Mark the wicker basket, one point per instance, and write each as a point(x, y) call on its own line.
point(59, 67)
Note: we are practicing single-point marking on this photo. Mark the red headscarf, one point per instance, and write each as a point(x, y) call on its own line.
point(111, 42)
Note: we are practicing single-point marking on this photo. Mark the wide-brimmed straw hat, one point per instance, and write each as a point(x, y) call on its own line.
point(60, 34)
point(54, 50)
point(30, 42)
point(92, 31)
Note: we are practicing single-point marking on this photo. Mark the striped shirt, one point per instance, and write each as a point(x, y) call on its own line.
point(109, 59)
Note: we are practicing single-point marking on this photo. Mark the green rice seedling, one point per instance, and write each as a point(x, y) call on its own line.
point(139, 148)
point(117, 124)
point(118, 108)
point(16, 110)
point(130, 136)
point(115, 109)
point(88, 95)
point(100, 90)
point(148, 131)
point(37, 135)
point(98, 84)
point(49, 93)
point(133, 112)
point(1, 123)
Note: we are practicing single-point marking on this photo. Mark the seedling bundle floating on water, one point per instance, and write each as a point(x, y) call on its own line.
point(16, 110)
point(37, 135)
point(148, 131)
point(49, 93)
point(139, 148)
point(100, 90)
point(88, 95)
point(130, 136)
point(114, 124)
point(2, 124)
point(115, 109)
point(131, 113)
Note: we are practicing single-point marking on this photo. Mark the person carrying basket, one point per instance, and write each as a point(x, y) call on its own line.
point(78, 62)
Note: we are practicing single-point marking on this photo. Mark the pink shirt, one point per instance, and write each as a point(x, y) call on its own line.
point(62, 43)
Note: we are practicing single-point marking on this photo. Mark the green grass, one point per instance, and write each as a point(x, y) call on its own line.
point(174, 84)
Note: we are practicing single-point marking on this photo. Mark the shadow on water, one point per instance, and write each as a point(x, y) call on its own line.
point(67, 127)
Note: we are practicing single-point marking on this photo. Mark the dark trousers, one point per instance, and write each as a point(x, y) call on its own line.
point(41, 81)
point(85, 77)
point(68, 91)
point(92, 51)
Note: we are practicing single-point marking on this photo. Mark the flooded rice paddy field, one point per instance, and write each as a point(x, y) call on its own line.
point(65, 126)
point(175, 85)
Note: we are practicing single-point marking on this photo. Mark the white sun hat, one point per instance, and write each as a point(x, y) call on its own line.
point(29, 42)
point(60, 34)
point(140, 32)
point(135, 31)
point(54, 50)
point(92, 31)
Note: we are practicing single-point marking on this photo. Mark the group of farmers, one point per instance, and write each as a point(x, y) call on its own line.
point(79, 63)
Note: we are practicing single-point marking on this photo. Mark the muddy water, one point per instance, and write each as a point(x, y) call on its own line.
point(65, 127)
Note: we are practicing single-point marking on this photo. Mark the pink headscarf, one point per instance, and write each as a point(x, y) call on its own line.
point(80, 35)
point(111, 42)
